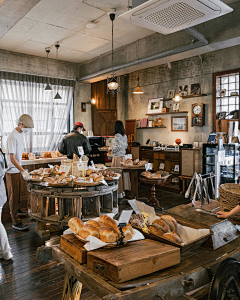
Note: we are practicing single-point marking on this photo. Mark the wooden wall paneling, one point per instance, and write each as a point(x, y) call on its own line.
point(131, 132)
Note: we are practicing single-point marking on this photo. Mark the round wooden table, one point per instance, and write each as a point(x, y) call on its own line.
point(153, 200)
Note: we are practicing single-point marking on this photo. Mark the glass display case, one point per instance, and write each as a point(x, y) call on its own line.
point(230, 167)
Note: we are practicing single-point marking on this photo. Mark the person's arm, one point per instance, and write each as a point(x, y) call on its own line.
point(227, 214)
point(115, 144)
point(16, 163)
point(62, 148)
point(87, 147)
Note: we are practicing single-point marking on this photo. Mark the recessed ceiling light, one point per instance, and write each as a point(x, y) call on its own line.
point(91, 25)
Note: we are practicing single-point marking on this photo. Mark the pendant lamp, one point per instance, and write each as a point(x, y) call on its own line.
point(137, 89)
point(112, 83)
point(48, 87)
point(57, 96)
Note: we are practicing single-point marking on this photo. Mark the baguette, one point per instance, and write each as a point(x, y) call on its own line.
point(87, 230)
point(172, 223)
point(75, 224)
point(160, 223)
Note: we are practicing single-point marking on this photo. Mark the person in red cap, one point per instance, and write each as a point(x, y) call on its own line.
point(73, 140)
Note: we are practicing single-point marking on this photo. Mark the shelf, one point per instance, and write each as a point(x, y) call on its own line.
point(174, 173)
point(169, 113)
point(185, 97)
point(152, 127)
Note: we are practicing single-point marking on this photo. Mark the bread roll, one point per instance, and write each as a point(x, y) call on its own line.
point(98, 178)
point(129, 227)
point(112, 227)
point(107, 235)
point(75, 224)
point(94, 224)
point(87, 230)
point(173, 237)
point(89, 179)
point(155, 230)
point(89, 172)
point(127, 233)
point(162, 225)
point(106, 219)
point(172, 223)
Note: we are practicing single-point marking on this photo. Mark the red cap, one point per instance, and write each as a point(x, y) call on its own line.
point(80, 125)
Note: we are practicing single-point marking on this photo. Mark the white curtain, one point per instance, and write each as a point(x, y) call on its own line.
point(24, 94)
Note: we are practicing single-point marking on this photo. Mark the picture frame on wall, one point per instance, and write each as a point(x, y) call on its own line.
point(138, 123)
point(171, 94)
point(179, 124)
point(195, 89)
point(183, 90)
point(155, 106)
point(83, 107)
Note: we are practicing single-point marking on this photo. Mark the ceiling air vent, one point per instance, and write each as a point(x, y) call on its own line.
point(167, 16)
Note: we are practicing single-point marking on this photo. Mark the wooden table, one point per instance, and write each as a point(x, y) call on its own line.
point(184, 178)
point(194, 271)
point(134, 179)
point(153, 200)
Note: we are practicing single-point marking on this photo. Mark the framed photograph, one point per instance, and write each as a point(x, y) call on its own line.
point(83, 106)
point(155, 106)
point(138, 123)
point(176, 107)
point(161, 166)
point(176, 168)
point(171, 93)
point(195, 89)
point(179, 124)
point(150, 123)
point(154, 143)
point(183, 90)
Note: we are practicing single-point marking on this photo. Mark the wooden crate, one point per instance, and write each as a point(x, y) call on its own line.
point(132, 260)
point(184, 248)
point(74, 248)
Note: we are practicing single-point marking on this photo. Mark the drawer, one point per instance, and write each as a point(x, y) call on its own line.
point(156, 155)
point(161, 155)
point(172, 156)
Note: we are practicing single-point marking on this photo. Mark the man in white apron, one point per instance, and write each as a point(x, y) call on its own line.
point(5, 250)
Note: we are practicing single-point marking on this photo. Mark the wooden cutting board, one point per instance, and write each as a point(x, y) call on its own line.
point(132, 260)
point(73, 247)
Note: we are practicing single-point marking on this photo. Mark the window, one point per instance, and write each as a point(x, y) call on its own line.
point(225, 94)
point(51, 117)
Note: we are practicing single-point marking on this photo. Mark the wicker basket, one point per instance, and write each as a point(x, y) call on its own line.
point(229, 197)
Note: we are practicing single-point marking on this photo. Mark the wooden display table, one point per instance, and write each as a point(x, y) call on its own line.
point(184, 178)
point(134, 179)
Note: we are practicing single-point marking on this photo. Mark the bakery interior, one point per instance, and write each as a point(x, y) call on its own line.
point(169, 71)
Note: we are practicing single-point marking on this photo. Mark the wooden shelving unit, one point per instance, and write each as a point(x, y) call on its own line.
point(151, 127)
point(169, 113)
point(185, 97)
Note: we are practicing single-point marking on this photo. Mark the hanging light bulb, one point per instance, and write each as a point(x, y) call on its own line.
point(57, 96)
point(112, 83)
point(48, 87)
point(93, 101)
point(177, 98)
point(137, 89)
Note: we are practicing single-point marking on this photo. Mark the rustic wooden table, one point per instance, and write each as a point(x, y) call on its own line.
point(195, 270)
point(134, 179)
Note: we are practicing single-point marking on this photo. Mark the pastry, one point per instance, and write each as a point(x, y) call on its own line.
point(98, 178)
point(136, 161)
point(94, 223)
point(89, 179)
point(159, 223)
point(107, 235)
point(173, 237)
point(75, 224)
point(155, 230)
point(89, 172)
point(172, 223)
point(87, 230)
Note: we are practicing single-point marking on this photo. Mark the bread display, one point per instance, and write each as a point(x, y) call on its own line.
point(173, 237)
point(158, 175)
point(159, 223)
point(107, 235)
point(172, 223)
point(107, 220)
point(75, 224)
point(94, 223)
point(87, 230)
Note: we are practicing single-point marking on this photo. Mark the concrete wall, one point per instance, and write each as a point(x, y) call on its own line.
point(156, 81)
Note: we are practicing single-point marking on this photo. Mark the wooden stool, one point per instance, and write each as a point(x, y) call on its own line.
point(184, 178)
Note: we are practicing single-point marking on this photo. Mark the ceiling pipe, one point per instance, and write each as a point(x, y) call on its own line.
point(201, 41)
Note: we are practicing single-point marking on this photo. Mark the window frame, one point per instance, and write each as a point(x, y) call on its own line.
point(214, 94)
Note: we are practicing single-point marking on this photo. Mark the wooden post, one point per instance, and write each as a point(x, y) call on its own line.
point(72, 288)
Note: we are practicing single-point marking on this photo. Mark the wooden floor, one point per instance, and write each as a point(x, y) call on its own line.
point(26, 279)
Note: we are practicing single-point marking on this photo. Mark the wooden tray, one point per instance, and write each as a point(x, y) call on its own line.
point(73, 247)
point(85, 183)
point(121, 264)
point(184, 248)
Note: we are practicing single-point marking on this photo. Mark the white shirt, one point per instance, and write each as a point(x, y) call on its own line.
point(14, 146)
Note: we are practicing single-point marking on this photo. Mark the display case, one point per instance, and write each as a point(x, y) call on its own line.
point(230, 167)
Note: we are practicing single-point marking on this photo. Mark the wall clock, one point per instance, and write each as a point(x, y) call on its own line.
point(198, 114)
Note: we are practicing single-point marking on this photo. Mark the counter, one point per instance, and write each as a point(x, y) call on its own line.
point(39, 161)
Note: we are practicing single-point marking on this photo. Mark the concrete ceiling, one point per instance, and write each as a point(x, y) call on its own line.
point(29, 26)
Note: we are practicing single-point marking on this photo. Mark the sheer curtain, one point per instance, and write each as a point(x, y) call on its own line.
point(24, 94)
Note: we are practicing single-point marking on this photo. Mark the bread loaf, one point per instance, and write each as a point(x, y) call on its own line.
point(172, 223)
point(75, 224)
point(87, 230)
point(156, 231)
point(94, 224)
point(107, 235)
point(127, 233)
point(160, 223)
point(173, 237)
point(129, 227)
point(106, 219)
point(98, 178)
